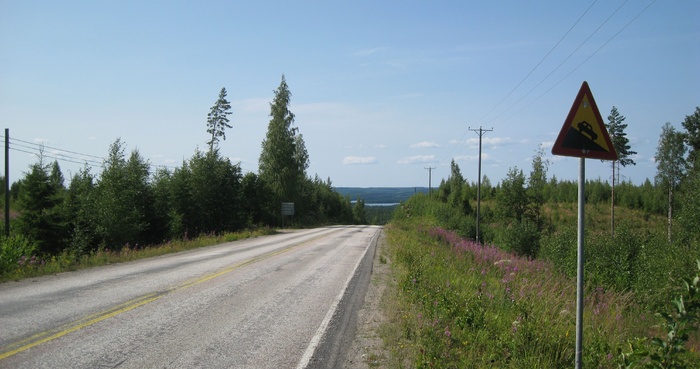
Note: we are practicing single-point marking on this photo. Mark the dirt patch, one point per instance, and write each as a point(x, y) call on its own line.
point(367, 348)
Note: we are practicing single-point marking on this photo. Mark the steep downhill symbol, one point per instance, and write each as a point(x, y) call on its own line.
point(583, 134)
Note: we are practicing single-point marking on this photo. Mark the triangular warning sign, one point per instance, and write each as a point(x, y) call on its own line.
point(583, 134)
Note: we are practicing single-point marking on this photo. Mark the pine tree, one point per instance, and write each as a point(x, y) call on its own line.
point(616, 130)
point(217, 120)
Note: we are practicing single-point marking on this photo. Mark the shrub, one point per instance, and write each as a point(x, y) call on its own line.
point(12, 250)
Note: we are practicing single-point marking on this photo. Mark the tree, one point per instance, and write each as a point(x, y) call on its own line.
point(458, 196)
point(616, 130)
point(283, 159)
point(216, 193)
point(536, 187)
point(512, 200)
point(217, 120)
point(670, 164)
point(42, 217)
point(123, 199)
point(689, 216)
point(518, 233)
point(358, 212)
point(80, 204)
point(257, 205)
point(692, 137)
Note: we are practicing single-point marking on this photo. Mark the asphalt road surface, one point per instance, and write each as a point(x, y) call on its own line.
point(281, 301)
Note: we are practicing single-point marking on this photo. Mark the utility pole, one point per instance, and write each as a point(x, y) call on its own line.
point(7, 182)
point(481, 133)
point(430, 180)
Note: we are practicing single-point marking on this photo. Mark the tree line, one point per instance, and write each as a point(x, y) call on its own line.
point(656, 239)
point(129, 205)
point(515, 205)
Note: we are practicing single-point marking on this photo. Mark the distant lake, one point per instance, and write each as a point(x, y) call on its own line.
point(380, 196)
point(377, 203)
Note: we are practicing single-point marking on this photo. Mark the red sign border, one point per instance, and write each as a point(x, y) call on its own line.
point(559, 149)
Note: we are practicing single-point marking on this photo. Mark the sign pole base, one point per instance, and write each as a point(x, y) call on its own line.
point(580, 261)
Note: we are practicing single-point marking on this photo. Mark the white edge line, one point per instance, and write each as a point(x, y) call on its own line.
point(316, 339)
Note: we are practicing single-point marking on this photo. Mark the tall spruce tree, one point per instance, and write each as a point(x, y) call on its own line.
point(42, 219)
point(123, 199)
point(283, 159)
point(670, 165)
point(217, 120)
point(616, 129)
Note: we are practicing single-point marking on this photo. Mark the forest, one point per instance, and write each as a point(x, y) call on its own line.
point(129, 206)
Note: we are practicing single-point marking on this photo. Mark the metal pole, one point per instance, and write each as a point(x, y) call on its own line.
point(7, 182)
point(478, 192)
point(579, 272)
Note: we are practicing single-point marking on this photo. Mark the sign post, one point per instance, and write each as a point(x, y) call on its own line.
point(583, 135)
point(287, 209)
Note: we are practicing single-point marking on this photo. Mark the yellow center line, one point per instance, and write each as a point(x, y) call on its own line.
point(61, 331)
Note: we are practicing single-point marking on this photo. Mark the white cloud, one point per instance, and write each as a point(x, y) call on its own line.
point(424, 145)
point(350, 160)
point(380, 146)
point(490, 141)
point(417, 159)
point(484, 157)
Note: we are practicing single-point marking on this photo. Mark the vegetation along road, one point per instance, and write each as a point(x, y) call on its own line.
point(280, 301)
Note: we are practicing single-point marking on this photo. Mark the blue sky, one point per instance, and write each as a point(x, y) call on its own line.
point(381, 90)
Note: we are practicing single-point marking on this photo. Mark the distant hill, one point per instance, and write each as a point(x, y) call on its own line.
point(381, 195)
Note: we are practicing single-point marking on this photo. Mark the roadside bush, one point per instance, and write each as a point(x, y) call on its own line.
point(522, 238)
point(636, 260)
point(12, 250)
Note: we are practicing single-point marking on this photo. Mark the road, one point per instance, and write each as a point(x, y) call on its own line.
point(280, 301)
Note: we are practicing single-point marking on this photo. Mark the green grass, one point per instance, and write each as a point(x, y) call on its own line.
point(456, 304)
point(28, 267)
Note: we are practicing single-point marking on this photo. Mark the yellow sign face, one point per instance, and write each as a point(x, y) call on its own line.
point(587, 124)
point(583, 134)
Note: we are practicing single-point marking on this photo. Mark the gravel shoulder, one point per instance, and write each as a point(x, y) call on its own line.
point(367, 348)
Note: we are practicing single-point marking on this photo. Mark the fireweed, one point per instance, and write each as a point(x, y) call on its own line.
point(470, 305)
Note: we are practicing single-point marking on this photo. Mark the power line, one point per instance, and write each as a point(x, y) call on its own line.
point(582, 63)
point(55, 148)
point(39, 152)
point(562, 62)
point(530, 72)
point(540, 62)
point(76, 157)
point(559, 66)
point(49, 156)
